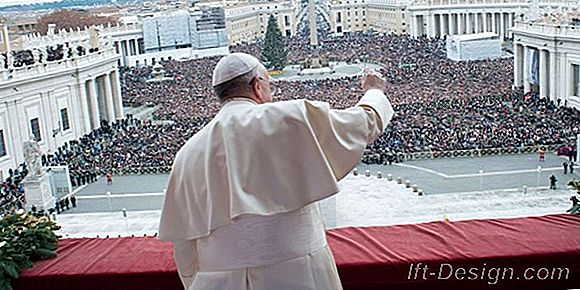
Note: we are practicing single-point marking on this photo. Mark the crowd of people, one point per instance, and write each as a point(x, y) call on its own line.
point(12, 191)
point(127, 143)
point(440, 105)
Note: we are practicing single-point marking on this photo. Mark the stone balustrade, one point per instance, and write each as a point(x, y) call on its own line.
point(79, 35)
point(570, 3)
point(47, 67)
point(552, 29)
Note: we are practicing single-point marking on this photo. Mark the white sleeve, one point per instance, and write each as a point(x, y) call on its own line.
point(342, 135)
point(185, 255)
point(380, 105)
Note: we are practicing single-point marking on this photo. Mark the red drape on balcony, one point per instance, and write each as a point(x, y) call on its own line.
point(461, 255)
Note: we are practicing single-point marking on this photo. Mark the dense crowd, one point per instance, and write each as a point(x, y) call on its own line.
point(440, 105)
point(127, 143)
point(12, 191)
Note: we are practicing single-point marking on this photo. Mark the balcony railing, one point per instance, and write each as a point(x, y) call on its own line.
point(553, 29)
point(48, 67)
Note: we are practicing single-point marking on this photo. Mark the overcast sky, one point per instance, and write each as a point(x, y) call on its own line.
point(16, 2)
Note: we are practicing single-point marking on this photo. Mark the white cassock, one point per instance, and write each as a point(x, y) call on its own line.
point(241, 204)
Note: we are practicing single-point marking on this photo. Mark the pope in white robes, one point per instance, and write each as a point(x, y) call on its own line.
point(241, 203)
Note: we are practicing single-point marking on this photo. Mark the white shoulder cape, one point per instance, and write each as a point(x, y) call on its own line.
point(266, 159)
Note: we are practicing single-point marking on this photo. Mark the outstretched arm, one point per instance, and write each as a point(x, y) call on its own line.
point(342, 135)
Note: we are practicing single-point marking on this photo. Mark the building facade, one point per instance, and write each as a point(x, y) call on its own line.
point(348, 15)
point(248, 22)
point(547, 56)
point(433, 18)
point(57, 101)
point(387, 16)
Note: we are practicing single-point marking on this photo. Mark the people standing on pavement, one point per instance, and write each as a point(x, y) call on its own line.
point(542, 154)
point(109, 178)
point(553, 182)
point(565, 165)
point(571, 165)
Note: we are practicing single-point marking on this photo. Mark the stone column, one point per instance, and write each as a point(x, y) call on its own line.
point(413, 26)
point(484, 16)
point(117, 99)
point(109, 98)
point(450, 26)
point(543, 83)
point(571, 81)
point(501, 26)
point(518, 51)
point(477, 23)
point(468, 23)
point(94, 104)
point(84, 108)
point(510, 24)
point(460, 25)
point(526, 69)
point(432, 32)
point(312, 29)
point(552, 76)
point(493, 23)
point(442, 26)
point(124, 50)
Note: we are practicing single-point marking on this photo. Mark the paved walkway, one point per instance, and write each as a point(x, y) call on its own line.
point(341, 69)
point(145, 192)
point(463, 174)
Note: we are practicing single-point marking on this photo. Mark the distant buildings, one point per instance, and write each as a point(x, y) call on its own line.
point(547, 55)
point(57, 97)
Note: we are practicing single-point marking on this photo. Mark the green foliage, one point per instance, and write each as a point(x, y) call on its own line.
point(274, 52)
point(24, 238)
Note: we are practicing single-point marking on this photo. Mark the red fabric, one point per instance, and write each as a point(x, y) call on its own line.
point(381, 257)
point(367, 257)
point(105, 264)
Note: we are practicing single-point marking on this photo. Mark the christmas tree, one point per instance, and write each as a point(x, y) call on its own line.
point(274, 53)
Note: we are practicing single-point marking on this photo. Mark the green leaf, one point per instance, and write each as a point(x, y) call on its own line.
point(44, 253)
point(11, 270)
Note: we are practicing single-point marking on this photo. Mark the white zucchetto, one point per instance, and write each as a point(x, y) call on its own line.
point(233, 65)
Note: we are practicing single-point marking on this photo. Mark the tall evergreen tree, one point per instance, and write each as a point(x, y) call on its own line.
point(274, 52)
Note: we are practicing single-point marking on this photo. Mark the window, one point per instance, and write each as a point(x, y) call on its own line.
point(2, 144)
point(35, 129)
point(338, 17)
point(287, 20)
point(141, 45)
point(64, 119)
